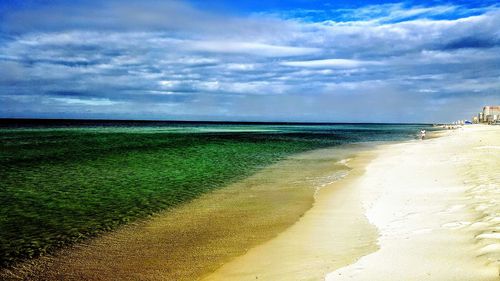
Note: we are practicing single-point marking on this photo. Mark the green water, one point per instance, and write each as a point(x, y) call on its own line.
point(62, 185)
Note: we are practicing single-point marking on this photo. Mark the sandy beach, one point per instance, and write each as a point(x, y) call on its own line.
point(437, 212)
point(434, 205)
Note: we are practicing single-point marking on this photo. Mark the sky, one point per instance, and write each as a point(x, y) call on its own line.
point(296, 60)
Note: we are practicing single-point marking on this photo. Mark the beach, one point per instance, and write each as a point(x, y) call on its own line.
point(437, 212)
point(412, 210)
point(434, 205)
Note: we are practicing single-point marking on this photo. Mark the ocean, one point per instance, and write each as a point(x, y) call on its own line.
point(64, 181)
point(349, 132)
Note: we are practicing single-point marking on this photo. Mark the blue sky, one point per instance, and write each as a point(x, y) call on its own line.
point(333, 61)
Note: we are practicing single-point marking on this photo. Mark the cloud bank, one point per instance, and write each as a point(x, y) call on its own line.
point(174, 60)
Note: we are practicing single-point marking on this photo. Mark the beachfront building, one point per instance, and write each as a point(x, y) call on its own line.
point(489, 115)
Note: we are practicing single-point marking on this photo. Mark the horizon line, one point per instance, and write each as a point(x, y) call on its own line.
point(2, 119)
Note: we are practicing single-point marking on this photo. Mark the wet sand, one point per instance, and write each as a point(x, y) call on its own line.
point(332, 234)
point(192, 240)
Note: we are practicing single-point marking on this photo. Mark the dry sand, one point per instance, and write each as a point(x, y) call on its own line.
point(437, 211)
point(436, 207)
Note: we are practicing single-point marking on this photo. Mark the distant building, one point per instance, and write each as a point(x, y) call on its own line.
point(490, 114)
point(475, 119)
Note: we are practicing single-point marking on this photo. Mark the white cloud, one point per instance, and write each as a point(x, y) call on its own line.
point(257, 49)
point(331, 63)
point(396, 12)
point(241, 66)
point(428, 91)
point(92, 102)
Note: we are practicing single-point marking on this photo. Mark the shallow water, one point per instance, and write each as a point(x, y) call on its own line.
point(196, 238)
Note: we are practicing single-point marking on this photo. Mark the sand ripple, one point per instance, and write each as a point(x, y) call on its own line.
point(483, 196)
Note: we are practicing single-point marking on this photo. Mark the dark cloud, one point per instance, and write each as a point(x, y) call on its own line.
point(473, 42)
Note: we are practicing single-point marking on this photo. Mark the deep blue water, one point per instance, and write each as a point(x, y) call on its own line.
point(342, 132)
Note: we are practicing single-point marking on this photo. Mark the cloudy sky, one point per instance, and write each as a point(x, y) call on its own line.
point(297, 60)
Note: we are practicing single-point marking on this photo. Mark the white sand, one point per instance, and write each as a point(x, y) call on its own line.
point(435, 204)
point(436, 212)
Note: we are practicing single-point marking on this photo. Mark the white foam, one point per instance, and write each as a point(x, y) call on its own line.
point(344, 161)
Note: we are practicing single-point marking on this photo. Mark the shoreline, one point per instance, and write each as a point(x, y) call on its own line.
point(428, 217)
point(198, 237)
point(309, 249)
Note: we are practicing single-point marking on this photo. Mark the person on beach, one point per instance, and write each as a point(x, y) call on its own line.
point(422, 134)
